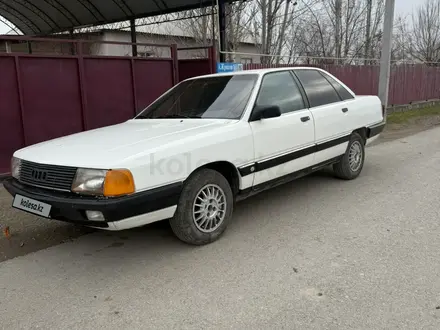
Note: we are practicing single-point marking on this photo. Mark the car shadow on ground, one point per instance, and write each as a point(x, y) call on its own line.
point(250, 216)
point(257, 222)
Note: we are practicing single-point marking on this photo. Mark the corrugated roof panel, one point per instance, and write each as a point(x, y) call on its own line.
point(38, 17)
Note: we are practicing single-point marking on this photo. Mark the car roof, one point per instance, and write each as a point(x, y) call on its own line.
point(256, 71)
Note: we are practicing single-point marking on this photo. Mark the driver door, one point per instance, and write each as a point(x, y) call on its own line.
point(284, 144)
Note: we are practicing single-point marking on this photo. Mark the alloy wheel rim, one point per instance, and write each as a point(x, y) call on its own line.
point(209, 208)
point(355, 156)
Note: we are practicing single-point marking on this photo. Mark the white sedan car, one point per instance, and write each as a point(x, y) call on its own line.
point(204, 144)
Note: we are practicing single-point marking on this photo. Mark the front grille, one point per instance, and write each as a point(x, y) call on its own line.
point(47, 176)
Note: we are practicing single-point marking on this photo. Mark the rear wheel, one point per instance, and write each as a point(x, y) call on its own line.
point(205, 208)
point(351, 164)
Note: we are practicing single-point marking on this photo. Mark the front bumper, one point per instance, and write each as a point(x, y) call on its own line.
point(72, 208)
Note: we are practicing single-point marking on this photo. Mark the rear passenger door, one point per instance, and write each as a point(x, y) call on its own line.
point(330, 107)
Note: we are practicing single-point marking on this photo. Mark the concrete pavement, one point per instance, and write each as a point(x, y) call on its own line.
point(318, 253)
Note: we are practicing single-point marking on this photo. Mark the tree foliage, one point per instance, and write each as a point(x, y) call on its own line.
point(321, 31)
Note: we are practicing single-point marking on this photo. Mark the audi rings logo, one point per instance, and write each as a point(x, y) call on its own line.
point(39, 175)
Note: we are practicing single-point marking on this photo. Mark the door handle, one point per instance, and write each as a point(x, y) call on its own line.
point(304, 119)
point(344, 110)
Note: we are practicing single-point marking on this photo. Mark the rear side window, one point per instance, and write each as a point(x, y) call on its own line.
point(319, 91)
point(342, 91)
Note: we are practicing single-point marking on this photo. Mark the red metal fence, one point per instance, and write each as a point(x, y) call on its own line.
point(47, 96)
point(44, 96)
point(409, 83)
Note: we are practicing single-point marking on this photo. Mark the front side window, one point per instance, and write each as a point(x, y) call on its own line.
point(319, 91)
point(218, 97)
point(279, 88)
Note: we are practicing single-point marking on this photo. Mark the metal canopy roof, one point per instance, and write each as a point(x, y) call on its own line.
point(40, 17)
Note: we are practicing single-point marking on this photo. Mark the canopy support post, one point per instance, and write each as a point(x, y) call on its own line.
point(222, 28)
point(134, 49)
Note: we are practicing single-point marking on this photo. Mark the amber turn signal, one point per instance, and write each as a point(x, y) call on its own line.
point(118, 182)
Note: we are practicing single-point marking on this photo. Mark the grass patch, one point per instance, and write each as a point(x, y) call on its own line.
point(405, 117)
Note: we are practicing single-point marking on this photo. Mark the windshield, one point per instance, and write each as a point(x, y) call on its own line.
point(220, 97)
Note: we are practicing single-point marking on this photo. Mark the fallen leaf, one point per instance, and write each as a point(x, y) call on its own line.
point(6, 232)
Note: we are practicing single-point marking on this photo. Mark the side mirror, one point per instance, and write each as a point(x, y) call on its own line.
point(264, 112)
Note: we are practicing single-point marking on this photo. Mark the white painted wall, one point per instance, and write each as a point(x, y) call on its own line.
point(164, 52)
point(102, 49)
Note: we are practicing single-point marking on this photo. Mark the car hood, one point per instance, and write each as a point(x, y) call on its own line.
point(109, 146)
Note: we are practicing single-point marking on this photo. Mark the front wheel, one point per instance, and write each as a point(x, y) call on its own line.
point(351, 164)
point(204, 209)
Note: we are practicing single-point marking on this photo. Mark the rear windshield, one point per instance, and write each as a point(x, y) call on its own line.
point(222, 97)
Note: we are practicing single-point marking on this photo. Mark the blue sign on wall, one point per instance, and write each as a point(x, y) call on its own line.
point(229, 67)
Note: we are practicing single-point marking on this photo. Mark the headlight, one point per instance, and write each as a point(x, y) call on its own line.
point(15, 167)
point(89, 181)
point(108, 183)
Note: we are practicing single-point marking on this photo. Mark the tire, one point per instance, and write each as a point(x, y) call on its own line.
point(343, 170)
point(184, 224)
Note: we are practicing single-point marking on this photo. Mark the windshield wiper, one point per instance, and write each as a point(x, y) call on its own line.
point(177, 116)
point(167, 116)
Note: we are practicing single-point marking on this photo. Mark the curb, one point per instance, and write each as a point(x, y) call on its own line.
point(413, 106)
